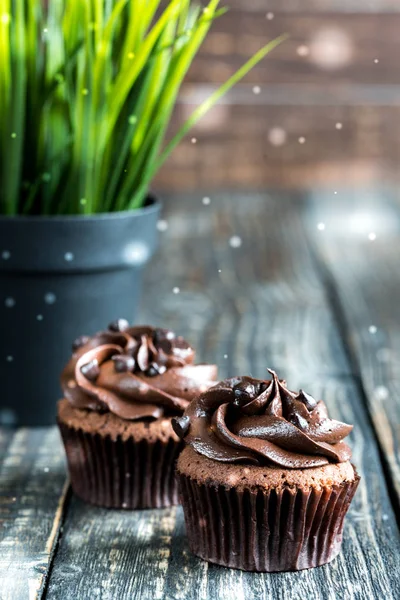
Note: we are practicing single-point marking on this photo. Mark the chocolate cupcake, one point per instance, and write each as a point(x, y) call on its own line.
point(265, 478)
point(121, 388)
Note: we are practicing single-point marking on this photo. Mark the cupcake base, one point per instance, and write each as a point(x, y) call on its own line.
point(265, 527)
point(116, 464)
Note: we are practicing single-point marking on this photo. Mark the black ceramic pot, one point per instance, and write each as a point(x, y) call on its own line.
point(61, 277)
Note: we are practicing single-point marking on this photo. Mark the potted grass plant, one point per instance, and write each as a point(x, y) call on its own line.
point(87, 89)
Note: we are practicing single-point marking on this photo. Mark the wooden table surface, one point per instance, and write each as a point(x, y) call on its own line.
point(320, 306)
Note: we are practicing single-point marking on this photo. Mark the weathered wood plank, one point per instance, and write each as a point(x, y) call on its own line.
point(257, 304)
point(339, 48)
point(239, 301)
point(364, 278)
point(112, 554)
point(32, 492)
point(243, 145)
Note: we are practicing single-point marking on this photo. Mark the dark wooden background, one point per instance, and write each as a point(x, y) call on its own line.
point(325, 74)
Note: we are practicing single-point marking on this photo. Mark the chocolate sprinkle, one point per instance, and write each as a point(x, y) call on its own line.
point(119, 325)
point(307, 400)
point(123, 363)
point(91, 370)
point(244, 393)
point(181, 425)
point(153, 370)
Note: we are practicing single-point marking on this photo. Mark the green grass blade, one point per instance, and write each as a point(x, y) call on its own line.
point(127, 78)
point(5, 105)
point(17, 114)
point(179, 66)
point(87, 91)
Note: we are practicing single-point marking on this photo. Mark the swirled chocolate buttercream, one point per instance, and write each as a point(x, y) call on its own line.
point(134, 372)
point(263, 423)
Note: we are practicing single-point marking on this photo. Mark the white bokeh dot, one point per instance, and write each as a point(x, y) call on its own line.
point(277, 136)
point(162, 225)
point(6, 254)
point(302, 140)
point(339, 125)
point(372, 329)
point(381, 392)
point(68, 256)
point(194, 140)
point(176, 290)
point(9, 358)
point(376, 61)
point(256, 90)
point(372, 236)
point(136, 253)
point(39, 317)
point(269, 16)
point(331, 48)
point(8, 416)
point(225, 356)
point(9, 302)
point(321, 226)
point(50, 298)
point(206, 200)
point(303, 50)
point(235, 241)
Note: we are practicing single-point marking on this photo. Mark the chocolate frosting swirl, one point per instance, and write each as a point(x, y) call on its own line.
point(134, 372)
point(262, 423)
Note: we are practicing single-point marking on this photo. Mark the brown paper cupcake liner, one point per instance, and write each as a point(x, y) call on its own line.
point(265, 530)
point(121, 473)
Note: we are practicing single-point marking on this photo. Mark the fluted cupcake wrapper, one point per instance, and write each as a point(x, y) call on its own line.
point(265, 530)
point(121, 473)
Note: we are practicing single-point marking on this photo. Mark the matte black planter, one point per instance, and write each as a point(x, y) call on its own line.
point(61, 277)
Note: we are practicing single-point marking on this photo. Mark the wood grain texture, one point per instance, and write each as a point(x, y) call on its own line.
point(255, 145)
point(325, 73)
point(340, 48)
point(365, 291)
point(32, 491)
point(248, 307)
point(239, 301)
